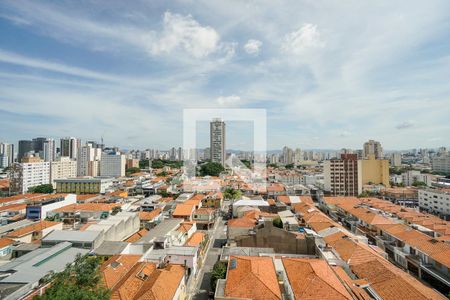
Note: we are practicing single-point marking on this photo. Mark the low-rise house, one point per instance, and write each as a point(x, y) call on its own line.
point(81, 212)
point(183, 211)
point(39, 207)
point(204, 217)
point(249, 277)
point(150, 219)
point(213, 199)
point(80, 239)
point(6, 246)
point(146, 281)
point(34, 232)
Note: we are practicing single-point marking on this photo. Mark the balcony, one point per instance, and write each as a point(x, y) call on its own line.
point(436, 273)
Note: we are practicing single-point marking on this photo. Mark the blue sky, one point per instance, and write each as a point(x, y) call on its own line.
point(331, 74)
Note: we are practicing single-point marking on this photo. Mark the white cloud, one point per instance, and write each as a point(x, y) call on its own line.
point(183, 32)
point(304, 38)
point(405, 125)
point(253, 47)
point(232, 100)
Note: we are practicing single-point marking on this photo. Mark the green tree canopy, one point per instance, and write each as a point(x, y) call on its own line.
point(219, 272)
point(211, 169)
point(79, 281)
point(232, 194)
point(43, 188)
point(132, 170)
point(277, 222)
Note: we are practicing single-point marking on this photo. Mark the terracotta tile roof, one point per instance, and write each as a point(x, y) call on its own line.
point(117, 267)
point(185, 226)
point(194, 202)
point(13, 207)
point(83, 198)
point(275, 188)
point(252, 278)
point(242, 223)
point(31, 228)
point(312, 279)
point(135, 237)
point(196, 239)
point(204, 211)
point(5, 242)
point(149, 215)
point(145, 281)
point(183, 210)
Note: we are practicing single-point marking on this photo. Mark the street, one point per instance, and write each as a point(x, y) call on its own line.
point(199, 287)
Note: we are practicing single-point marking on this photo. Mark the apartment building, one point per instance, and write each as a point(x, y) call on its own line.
point(217, 141)
point(343, 176)
point(372, 147)
point(64, 167)
point(70, 146)
point(30, 173)
point(88, 160)
point(375, 171)
point(112, 164)
point(441, 163)
point(435, 201)
point(6, 155)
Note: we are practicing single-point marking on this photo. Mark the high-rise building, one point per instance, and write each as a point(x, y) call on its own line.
point(32, 171)
point(112, 164)
point(6, 155)
point(373, 147)
point(88, 160)
point(173, 154)
point(396, 159)
point(441, 164)
point(25, 147)
point(69, 147)
point(63, 167)
point(343, 176)
point(49, 150)
point(217, 141)
point(375, 171)
point(38, 144)
point(180, 153)
point(288, 155)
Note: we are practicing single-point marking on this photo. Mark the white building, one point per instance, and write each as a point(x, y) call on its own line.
point(217, 141)
point(64, 167)
point(6, 155)
point(88, 160)
point(396, 159)
point(29, 174)
point(112, 164)
point(409, 177)
point(436, 201)
point(441, 163)
point(49, 150)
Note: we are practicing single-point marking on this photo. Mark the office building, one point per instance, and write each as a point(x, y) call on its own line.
point(373, 147)
point(288, 155)
point(343, 176)
point(396, 159)
point(38, 144)
point(70, 147)
point(25, 148)
point(49, 150)
point(112, 164)
point(217, 141)
point(30, 173)
point(375, 171)
point(83, 185)
point(63, 167)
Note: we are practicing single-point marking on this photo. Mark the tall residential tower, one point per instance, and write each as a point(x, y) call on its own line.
point(217, 141)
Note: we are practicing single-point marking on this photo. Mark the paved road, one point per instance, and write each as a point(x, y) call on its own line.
point(199, 287)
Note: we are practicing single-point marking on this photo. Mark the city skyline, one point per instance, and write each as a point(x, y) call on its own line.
point(328, 78)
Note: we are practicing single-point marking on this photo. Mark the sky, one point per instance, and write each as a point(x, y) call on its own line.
point(330, 74)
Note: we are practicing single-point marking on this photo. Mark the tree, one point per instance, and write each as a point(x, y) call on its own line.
point(163, 193)
point(43, 189)
point(162, 174)
point(289, 166)
point(211, 169)
point(232, 194)
point(79, 281)
point(219, 272)
point(417, 183)
point(132, 170)
point(116, 210)
point(277, 223)
point(272, 165)
point(144, 164)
